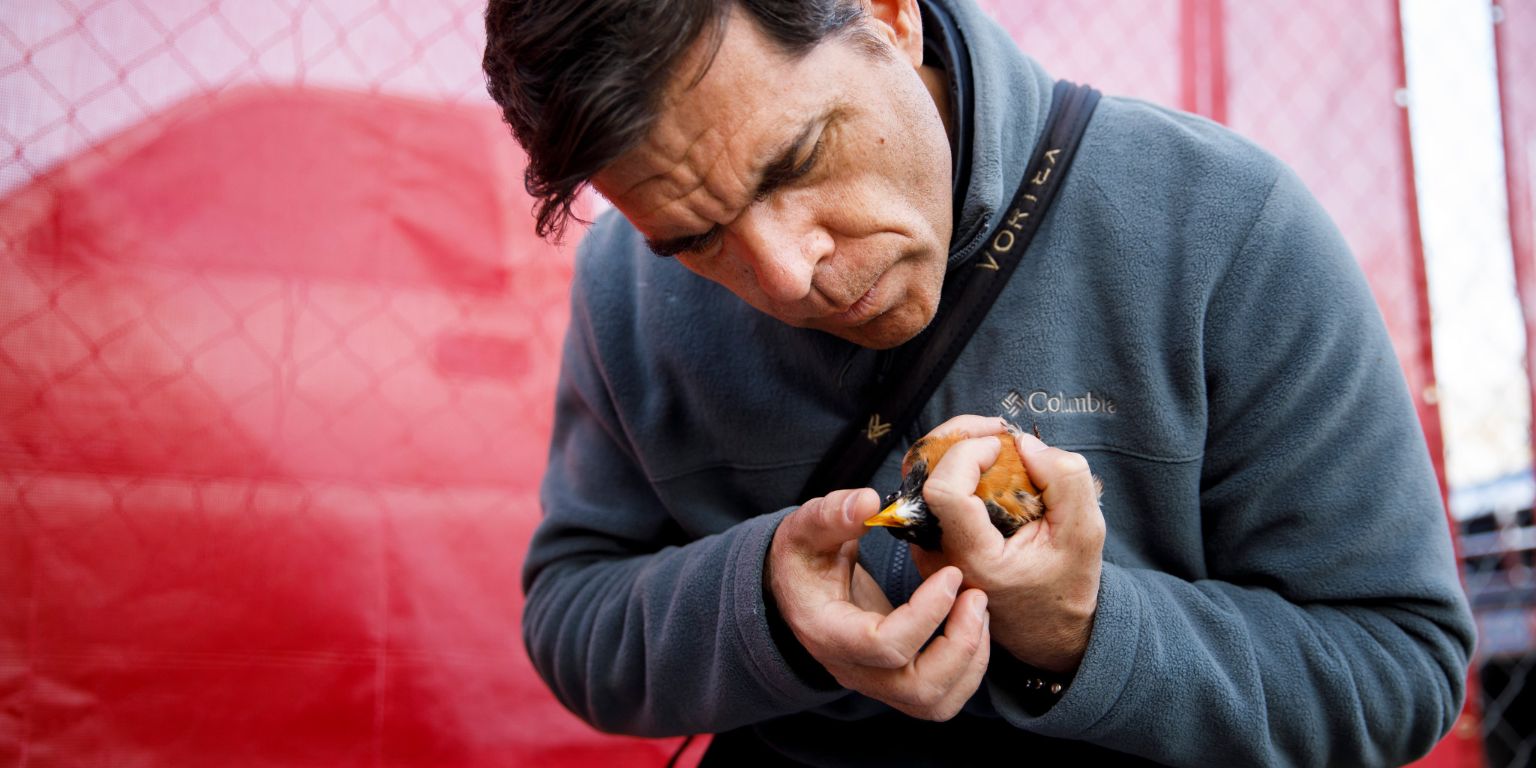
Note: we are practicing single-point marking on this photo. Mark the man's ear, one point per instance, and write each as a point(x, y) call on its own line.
point(899, 23)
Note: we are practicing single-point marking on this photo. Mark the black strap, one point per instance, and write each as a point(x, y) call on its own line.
point(967, 296)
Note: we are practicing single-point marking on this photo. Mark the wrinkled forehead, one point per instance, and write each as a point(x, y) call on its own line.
point(733, 98)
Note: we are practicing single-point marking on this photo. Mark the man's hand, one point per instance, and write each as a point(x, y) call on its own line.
point(1043, 582)
point(839, 614)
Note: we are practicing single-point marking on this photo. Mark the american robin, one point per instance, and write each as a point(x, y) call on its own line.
point(1012, 501)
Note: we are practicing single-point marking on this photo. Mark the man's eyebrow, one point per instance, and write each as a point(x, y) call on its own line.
point(777, 172)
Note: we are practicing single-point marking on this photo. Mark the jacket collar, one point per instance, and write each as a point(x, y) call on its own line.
point(1009, 100)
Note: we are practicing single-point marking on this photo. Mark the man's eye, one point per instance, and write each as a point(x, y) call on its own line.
point(778, 177)
point(809, 162)
point(702, 246)
point(690, 246)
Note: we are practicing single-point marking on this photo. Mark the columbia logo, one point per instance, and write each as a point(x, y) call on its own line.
point(1041, 401)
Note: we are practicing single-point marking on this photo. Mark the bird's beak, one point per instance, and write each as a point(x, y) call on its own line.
point(888, 517)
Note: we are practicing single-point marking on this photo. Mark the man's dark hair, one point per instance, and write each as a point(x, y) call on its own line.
point(579, 81)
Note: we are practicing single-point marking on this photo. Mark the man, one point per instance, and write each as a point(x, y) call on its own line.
point(1268, 578)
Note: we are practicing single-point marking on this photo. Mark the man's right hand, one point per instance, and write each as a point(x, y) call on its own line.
point(839, 614)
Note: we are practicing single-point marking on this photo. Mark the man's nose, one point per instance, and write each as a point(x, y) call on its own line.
point(784, 245)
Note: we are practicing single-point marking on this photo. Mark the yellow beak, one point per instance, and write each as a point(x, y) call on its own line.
point(888, 517)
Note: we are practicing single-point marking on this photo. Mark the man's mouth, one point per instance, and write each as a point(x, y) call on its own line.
point(863, 310)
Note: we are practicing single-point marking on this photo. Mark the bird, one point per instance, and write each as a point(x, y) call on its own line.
point(1011, 498)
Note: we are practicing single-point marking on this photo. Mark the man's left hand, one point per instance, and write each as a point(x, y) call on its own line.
point(1042, 583)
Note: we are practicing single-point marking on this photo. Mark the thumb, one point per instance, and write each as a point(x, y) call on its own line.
point(1064, 478)
point(825, 524)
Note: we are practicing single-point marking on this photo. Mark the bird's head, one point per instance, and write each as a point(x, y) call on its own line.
point(905, 514)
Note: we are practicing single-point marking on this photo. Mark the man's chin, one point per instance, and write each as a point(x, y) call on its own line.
point(888, 330)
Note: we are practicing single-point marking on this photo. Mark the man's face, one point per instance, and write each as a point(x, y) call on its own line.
point(817, 189)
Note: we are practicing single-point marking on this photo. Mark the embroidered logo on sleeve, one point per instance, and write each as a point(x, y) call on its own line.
point(877, 429)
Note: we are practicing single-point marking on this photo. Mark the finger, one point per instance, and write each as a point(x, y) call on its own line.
point(971, 680)
point(949, 662)
point(975, 426)
point(928, 563)
point(1066, 483)
point(822, 525)
point(866, 593)
point(949, 676)
point(965, 686)
point(858, 636)
point(951, 495)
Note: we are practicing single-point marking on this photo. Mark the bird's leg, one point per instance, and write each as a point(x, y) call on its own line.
point(1014, 429)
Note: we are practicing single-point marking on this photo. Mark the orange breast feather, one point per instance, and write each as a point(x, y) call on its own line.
point(1005, 488)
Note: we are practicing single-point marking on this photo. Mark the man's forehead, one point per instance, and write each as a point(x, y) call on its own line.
point(698, 144)
point(719, 129)
point(682, 136)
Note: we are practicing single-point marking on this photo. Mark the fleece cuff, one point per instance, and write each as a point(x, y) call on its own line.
point(1100, 679)
point(778, 659)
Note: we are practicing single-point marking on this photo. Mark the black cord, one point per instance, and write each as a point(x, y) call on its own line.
point(681, 748)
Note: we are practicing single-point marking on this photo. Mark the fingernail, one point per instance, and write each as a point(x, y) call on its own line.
point(954, 586)
point(851, 506)
point(980, 606)
point(1030, 444)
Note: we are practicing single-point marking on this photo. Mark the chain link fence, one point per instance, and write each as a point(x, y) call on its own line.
point(276, 355)
point(277, 350)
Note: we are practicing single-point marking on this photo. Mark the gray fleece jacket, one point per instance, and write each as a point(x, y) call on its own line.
point(1278, 583)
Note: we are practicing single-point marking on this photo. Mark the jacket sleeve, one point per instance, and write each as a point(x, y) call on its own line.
point(634, 627)
point(1331, 628)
